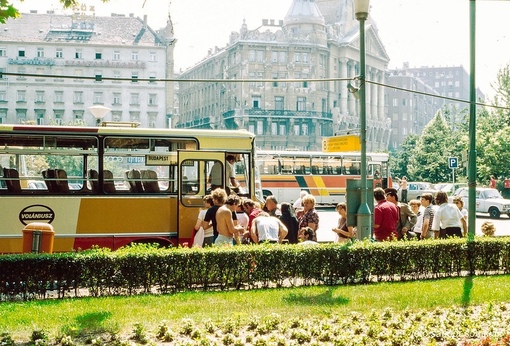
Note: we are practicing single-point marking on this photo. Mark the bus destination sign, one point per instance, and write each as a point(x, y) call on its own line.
point(341, 143)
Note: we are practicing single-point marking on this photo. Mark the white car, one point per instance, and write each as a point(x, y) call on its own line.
point(487, 201)
point(416, 189)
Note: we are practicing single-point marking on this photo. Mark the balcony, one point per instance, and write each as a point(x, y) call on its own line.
point(259, 112)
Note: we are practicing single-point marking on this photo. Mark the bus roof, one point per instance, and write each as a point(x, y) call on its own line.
point(120, 130)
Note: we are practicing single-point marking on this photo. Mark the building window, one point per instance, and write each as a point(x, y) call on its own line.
point(99, 76)
point(297, 57)
point(116, 115)
point(116, 98)
point(260, 56)
point(256, 102)
point(78, 115)
point(274, 129)
point(78, 54)
point(99, 55)
point(59, 97)
point(153, 116)
point(275, 76)
point(39, 97)
point(116, 55)
point(301, 104)
point(3, 96)
point(40, 52)
point(153, 100)
point(39, 115)
point(296, 130)
point(304, 128)
point(134, 77)
point(252, 55)
point(21, 52)
point(134, 56)
point(59, 116)
point(395, 102)
point(278, 103)
point(59, 53)
point(260, 127)
point(21, 114)
point(283, 57)
point(152, 56)
point(135, 99)
point(78, 97)
point(3, 113)
point(3, 51)
point(305, 57)
point(21, 71)
point(283, 129)
point(116, 76)
point(152, 77)
point(134, 117)
point(98, 97)
point(21, 96)
point(274, 57)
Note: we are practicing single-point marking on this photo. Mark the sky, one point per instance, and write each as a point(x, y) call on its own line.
point(420, 32)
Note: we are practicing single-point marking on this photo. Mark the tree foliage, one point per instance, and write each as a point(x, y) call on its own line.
point(429, 162)
point(399, 162)
point(447, 135)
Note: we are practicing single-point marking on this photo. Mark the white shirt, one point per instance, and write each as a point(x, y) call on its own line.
point(419, 220)
point(447, 215)
point(268, 228)
point(207, 232)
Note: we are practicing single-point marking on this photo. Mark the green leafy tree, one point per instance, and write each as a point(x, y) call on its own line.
point(399, 160)
point(435, 145)
point(493, 126)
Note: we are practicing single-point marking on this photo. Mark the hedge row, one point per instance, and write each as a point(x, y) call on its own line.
point(148, 269)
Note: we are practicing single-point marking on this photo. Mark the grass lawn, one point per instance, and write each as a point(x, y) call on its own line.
point(120, 315)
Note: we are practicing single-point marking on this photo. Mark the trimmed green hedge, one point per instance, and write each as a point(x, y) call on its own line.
point(148, 269)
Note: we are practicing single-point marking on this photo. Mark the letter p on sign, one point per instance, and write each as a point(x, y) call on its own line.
point(453, 162)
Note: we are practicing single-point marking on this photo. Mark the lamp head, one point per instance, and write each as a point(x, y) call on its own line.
point(353, 90)
point(99, 112)
point(361, 9)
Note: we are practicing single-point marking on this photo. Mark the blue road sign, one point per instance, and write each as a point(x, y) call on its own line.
point(453, 162)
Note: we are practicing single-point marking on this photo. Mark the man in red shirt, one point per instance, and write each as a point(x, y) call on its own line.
point(385, 217)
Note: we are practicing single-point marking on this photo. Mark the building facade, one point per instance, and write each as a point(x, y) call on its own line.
point(54, 67)
point(420, 93)
point(286, 80)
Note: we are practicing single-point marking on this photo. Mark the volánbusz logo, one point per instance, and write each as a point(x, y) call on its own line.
point(36, 212)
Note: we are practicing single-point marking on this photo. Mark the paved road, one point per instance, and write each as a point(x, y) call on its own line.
point(329, 218)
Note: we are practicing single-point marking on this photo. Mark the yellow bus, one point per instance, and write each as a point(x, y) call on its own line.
point(284, 174)
point(112, 186)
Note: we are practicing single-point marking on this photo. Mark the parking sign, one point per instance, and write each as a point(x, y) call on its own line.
point(453, 162)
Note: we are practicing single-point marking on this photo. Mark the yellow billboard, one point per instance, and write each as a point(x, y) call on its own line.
point(341, 143)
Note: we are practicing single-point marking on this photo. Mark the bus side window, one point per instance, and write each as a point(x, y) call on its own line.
point(109, 183)
point(134, 180)
point(93, 180)
point(150, 181)
point(11, 177)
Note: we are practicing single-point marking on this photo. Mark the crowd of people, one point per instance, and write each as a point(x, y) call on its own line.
point(229, 220)
point(420, 219)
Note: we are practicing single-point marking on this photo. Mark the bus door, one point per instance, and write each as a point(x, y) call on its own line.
point(199, 171)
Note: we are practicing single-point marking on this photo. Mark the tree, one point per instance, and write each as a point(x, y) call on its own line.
point(7, 10)
point(429, 162)
point(399, 161)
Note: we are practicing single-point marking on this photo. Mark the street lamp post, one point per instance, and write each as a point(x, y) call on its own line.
point(364, 219)
point(99, 112)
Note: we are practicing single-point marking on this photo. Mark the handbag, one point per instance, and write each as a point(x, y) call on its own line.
point(198, 239)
